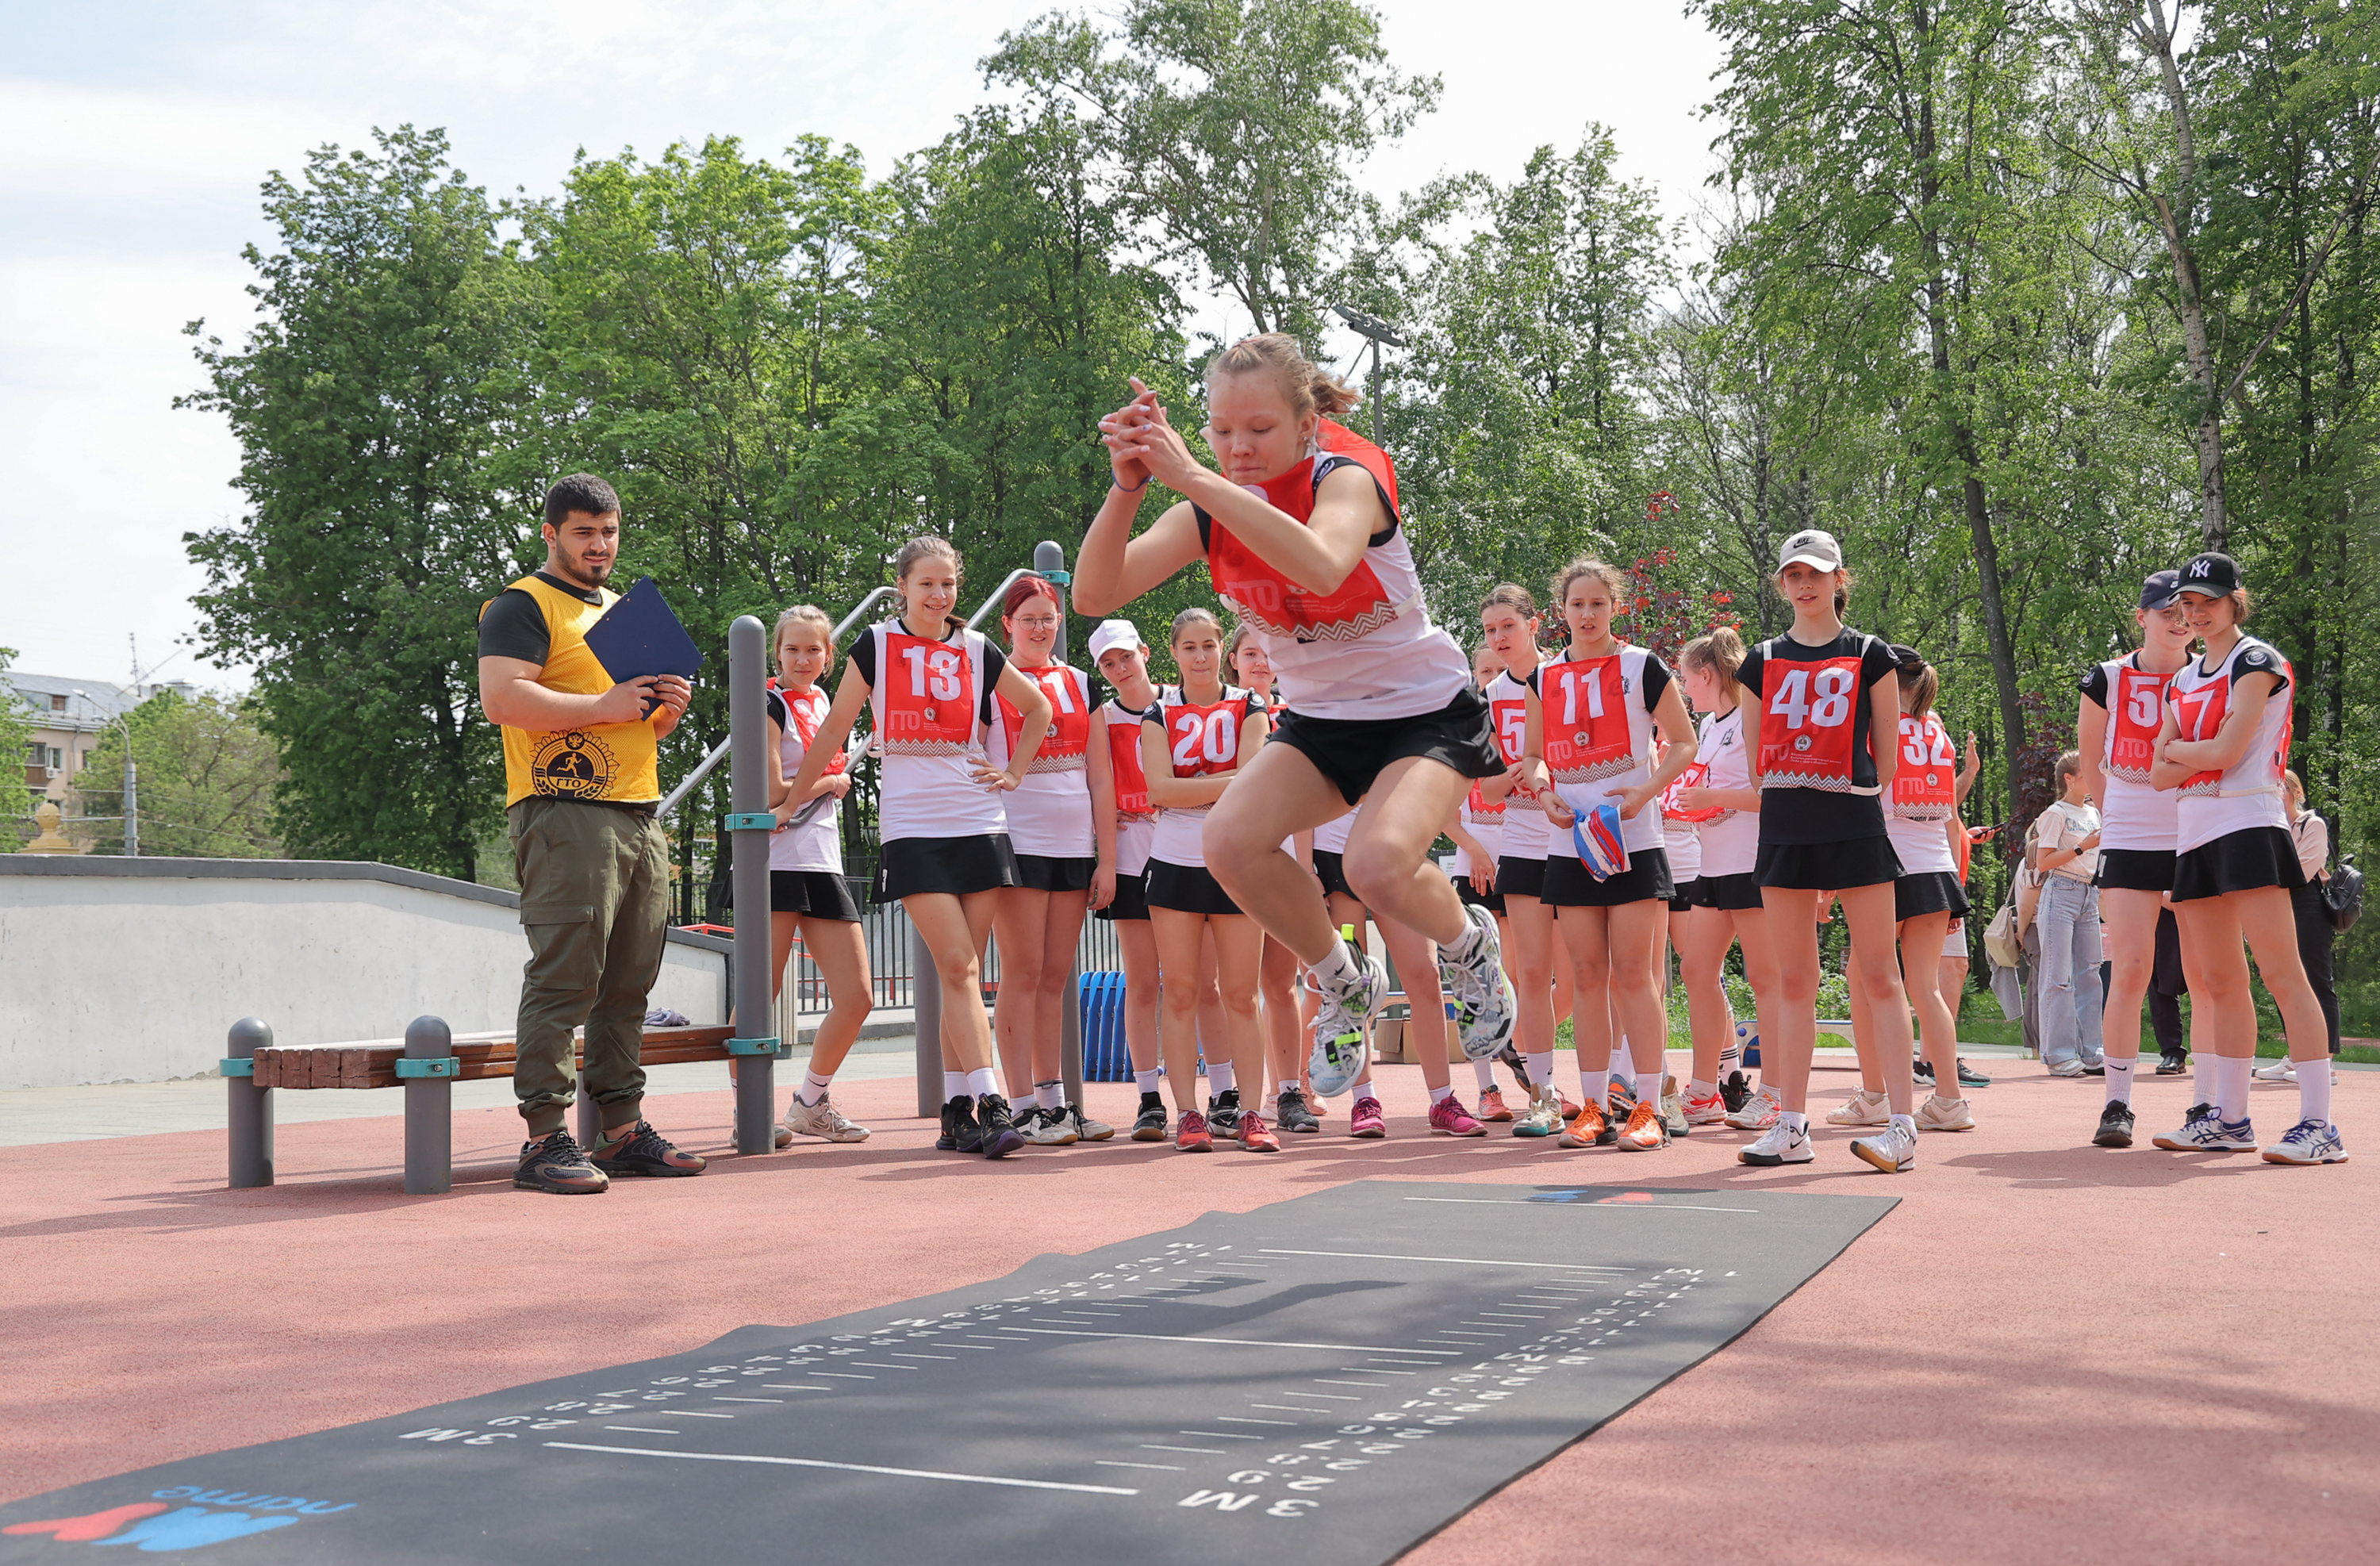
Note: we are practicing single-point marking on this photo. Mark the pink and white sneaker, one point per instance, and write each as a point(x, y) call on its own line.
point(1366, 1119)
point(1706, 1110)
point(1448, 1118)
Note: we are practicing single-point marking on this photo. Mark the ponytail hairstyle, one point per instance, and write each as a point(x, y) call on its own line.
point(2068, 765)
point(922, 547)
point(797, 614)
point(1195, 615)
point(1023, 591)
point(1589, 566)
point(1310, 388)
point(1844, 581)
point(1718, 650)
point(1511, 596)
point(1921, 683)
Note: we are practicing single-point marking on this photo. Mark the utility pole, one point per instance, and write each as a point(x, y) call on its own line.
point(1375, 332)
point(132, 772)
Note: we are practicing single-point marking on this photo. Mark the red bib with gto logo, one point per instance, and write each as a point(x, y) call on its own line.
point(1507, 709)
point(1271, 601)
point(1925, 786)
point(1805, 723)
point(928, 689)
point(1696, 775)
point(1478, 807)
point(2135, 714)
point(809, 710)
point(1590, 731)
point(1068, 744)
point(1123, 761)
point(1205, 741)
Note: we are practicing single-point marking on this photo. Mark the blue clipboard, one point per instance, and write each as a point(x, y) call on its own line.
point(638, 636)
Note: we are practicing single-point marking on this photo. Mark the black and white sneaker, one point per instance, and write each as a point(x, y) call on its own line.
point(2172, 1062)
point(1223, 1114)
point(1969, 1077)
point(1150, 1124)
point(960, 1133)
point(2115, 1126)
point(1782, 1142)
point(1292, 1113)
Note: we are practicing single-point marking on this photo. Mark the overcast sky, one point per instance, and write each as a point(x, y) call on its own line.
point(137, 135)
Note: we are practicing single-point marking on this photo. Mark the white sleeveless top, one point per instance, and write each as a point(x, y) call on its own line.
point(1050, 812)
point(928, 698)
point(1731, 842)
point(817, 844)
point(1526, 831)
point(1585, 700)
point(2248, 794)
point(2137, 817)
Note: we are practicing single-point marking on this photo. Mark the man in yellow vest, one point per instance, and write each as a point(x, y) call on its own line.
point(582, 782)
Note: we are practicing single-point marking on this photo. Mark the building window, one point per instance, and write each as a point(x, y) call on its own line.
point(57, 703)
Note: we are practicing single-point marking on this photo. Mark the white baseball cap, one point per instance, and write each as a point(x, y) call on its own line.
point(1113, 634)
point(1812, 547)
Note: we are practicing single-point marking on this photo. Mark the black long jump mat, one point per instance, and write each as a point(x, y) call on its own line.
point(1339, 1375)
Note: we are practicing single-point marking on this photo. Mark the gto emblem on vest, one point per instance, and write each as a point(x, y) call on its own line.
point(573, 765)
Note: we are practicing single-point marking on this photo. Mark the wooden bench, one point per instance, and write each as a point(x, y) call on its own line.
point(425, 1064)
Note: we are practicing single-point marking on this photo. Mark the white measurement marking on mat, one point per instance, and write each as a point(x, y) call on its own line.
point(847, 1468)
point(1456, 1261)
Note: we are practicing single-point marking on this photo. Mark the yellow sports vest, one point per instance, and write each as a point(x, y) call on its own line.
point(619, 761)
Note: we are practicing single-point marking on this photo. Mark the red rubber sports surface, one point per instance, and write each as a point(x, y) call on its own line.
point(2047, 1351)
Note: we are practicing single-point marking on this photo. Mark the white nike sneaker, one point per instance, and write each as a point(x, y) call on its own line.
point(1341, 1037)
point(1477, 993)
point(1863, 1108)
point(822, 1119)
point(2275, 1071)
point(1893, 1149)
point(1759, 1111)
point(1781, 1144)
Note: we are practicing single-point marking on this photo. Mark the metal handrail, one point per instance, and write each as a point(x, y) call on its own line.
point(719, 752)
point(999, 593)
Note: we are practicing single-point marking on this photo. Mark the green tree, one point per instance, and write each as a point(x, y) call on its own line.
point(1234, 126)
point(206, 781)
point(362, 402)
point(16, 740)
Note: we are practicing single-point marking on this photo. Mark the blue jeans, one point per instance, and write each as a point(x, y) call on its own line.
point(2069, 975)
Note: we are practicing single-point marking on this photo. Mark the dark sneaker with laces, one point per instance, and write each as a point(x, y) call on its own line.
point(643, 1151)
point(1969, 1077)
point(997, 1134)
point(1149, 1125)
point(960, 1133)
point(2115, 1126)
point(554, 1163)
point(2172, 1062)
point(1518, 1067)
point(1735, 1092)
point(1921, 1070)
point(1223, 1114)
point(1291, 1111)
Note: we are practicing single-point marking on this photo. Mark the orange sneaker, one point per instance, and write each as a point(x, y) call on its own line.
point(1586, 1129)
point(1193, 1136)
point(1255, 1135)
point(1645, 1130)
point(1491, 1105)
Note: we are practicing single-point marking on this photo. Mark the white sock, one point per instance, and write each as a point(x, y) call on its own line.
point(1441, 1095)
point(1649, 1087)
point(814, 1088)
point(1541, 1068)
point(2314, 1090)
point(2231, 1085)
point(1050, 1095)
point(954, 1085)
point(1462, 947)
point(1221, 1078)
point(1145, 1080)
point(982, 1083)
point(1906, 1123)
point(2120, 1079)
point(1484, 1071)
point(1698, 1088)
point(1339, 969)
point(1794, 1120)
point(1595, 1087)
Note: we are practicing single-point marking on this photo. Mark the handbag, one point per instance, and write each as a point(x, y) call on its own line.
point(2004, 939)
point(2342, 896)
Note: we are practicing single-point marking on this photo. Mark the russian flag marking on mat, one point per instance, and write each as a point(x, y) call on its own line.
point(1597, 832)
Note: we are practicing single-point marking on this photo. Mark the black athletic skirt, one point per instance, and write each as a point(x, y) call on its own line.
point(1828, 866)
point(822, 894)
point(1131, 899)
point(1929, 891)
point(1681, 896)
point(2135, 869)
point(1190, 888)
point(1049, 872)
point(2238, 861)
point(1646, 880)
point(956, 864)
point(1520, 878)
point(1472, 897)
point(1350, 752)
point(1732, 894)
point(1332, 870)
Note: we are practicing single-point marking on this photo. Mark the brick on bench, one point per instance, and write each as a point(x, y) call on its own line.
point(372, 1063)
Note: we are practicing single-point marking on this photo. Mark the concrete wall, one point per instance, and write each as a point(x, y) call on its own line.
point(130, 970)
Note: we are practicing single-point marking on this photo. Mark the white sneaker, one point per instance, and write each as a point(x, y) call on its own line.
point(2067, 1068)
point(1893, 1149)
point(1341, 1044)
point(1673, 1108)
point(1046, 1128)
point(1759, 1111)
point(1937, 1114)
point(822, 1119)
point(1781, 1144)
point(2309, 1141)
point(1861, 1108)
point(2275, 1071)
point(1543, 1116)
point(1477, 994)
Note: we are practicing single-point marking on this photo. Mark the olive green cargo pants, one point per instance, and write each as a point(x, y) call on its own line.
point(595, 905)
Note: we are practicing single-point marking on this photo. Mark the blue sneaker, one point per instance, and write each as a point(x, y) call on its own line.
point(1479, 995)
point(2309, 1141)
point(1342, 1024)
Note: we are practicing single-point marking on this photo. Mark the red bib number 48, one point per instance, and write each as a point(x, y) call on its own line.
point(1805, 723)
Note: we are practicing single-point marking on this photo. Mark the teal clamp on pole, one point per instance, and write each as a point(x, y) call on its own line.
point(753, 821)
point(1061, 577)
point(412, 1069)
point(755, 1046)
point(237, 1068)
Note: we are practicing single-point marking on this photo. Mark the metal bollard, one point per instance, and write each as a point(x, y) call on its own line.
point(427, 1071)
point(926, 986)
point(755, 1049)
point(249, 1112)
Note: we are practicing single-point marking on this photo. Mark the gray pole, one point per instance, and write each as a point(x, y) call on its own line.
point(754, 1047)
point(926, 995)
point(429, 1111)
point(1050, 560)
point(249, 1114)
point(131, 799)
